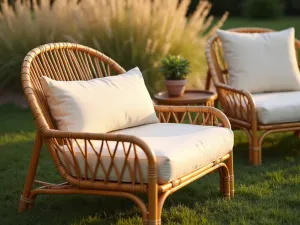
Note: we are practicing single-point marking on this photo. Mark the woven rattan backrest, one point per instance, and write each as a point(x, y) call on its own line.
point(60, 61)
point(215, 56)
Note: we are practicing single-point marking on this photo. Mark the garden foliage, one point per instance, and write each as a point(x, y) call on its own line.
point(132, 32)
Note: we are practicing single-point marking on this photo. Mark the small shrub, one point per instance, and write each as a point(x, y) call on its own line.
point(263, 9)
point(175, 67)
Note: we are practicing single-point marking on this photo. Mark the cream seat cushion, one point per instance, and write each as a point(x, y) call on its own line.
point(278, 107)
point(100, 105)
point(179, 148)
point(264, 62)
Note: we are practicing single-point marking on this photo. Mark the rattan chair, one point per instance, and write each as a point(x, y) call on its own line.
point(233, 101)
point(66, 61)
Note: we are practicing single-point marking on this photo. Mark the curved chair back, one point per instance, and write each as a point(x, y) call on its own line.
point(60, 61)
point(218, 69)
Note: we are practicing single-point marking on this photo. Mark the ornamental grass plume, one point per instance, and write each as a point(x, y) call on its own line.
point(132, 32)
point(142, 32)
point(24, 27)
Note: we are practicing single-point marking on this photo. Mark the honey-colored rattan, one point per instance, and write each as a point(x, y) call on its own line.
point(66, 61)
point(238, 105)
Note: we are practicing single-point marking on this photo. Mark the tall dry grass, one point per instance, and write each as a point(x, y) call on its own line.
point(132, 32)
point(22, 29)
point(142, 32)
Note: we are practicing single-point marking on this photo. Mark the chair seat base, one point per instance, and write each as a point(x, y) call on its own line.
point(226, 188)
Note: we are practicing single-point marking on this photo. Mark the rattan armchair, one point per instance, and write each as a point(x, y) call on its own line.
point(238, 105)
point(66, 61)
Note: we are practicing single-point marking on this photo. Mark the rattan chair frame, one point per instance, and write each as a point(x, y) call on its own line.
point(233, 101)
point(66, 61)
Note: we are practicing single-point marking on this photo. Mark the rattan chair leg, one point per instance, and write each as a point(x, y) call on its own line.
point(226, 181)
point(161, 200)
point(256, 155)
point(25, 201)
point(255, 150)
point(221, 175)
point(229, 164)
point(153, 218)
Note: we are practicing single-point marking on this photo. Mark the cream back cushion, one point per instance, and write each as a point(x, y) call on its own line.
point(261, 62)
point(100, 105)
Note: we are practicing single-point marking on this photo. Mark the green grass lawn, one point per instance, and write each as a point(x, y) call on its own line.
point(268, 194)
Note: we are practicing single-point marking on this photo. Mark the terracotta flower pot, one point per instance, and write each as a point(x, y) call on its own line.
point(175, 87)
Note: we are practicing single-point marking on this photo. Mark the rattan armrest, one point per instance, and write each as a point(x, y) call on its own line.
point(62, 142)
point(50, 133)
point(207, 115)
point(237, 104)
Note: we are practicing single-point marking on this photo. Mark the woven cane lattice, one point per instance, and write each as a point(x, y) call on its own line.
point(119, 157)
point(190, 115)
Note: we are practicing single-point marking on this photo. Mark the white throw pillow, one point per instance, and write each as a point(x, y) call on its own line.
point(261, 62)
point(100, 105)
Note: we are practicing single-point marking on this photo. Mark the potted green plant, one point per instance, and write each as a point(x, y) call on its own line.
point(175, 69)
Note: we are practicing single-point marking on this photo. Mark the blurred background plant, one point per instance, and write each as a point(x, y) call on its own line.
point(132, 32)
point(24, 27)
point(141, 32)
point(235, 7)
point(258, 9)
